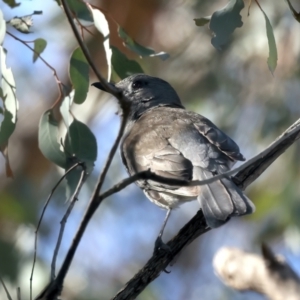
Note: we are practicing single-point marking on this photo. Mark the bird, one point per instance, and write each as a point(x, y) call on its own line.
point(161, 135)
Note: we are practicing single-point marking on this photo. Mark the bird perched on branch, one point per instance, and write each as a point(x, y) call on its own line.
point(172, 142)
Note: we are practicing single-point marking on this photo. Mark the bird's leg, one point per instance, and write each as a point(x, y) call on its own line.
point(159, 244)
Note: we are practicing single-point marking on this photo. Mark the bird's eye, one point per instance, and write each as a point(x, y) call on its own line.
point(137, 84)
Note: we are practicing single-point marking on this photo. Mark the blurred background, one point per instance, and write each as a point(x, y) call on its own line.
point(232, 87)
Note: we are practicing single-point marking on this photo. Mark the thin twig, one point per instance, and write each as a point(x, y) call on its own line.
point(58, 81)
point(82, 27)
point(41, 218)
point(6, 290)
point(64, 221)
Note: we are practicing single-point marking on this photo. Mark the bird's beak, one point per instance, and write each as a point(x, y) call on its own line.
point(99, 85)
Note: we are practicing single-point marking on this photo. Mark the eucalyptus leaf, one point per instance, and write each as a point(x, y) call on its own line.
point(122, 65)
point(11, 3)
point(65, 108)
point(79, 9)
point(72, 178)
point(80, 142)
point(223, 22)
point(101, 24)
point(80, 146)
point(39, 47)
point(48, 139)
point(8, 169)
point(138, 48)
point(79, 75)
point(10, 102)
point(273, 56)
point(2, 27)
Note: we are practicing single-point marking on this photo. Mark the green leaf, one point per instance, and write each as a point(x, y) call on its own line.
point(37, 12)
point(202, 21)
point(39, 47)
point(273, 56)
point(7, 127)
point(80, 142)
point(79, 9)
point(48, 136)
point(79, 75)
point(122, 65)
point(101, 24)
point(11, 3)
point(4, 150)
point(65, 108)
point(72, 177)
point(80, 146)
point(294, 12)
point(2, 28)
point(223, 22)
point(139, 49)
point(10, 102)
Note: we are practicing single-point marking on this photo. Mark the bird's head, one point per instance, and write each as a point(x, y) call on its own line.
point(146, 92)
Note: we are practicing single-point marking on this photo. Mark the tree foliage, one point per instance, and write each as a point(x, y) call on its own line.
point(220, 64)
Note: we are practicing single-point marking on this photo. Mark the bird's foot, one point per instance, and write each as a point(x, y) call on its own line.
point(161, 246)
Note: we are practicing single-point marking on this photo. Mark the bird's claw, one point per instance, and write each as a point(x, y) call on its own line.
point(161, 246)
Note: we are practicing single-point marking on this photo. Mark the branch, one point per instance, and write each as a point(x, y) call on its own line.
point(251, 172)
point(269, 275)
point(5, 289)
point(63, 222)
point(248, 172)
point(160, 260)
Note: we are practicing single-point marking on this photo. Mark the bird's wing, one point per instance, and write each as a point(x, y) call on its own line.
point(216, 137)
point(200, 141)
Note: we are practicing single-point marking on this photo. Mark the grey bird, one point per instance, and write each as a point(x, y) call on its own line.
point(161, 135)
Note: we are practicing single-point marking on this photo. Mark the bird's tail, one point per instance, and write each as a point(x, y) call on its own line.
point(221, 200)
